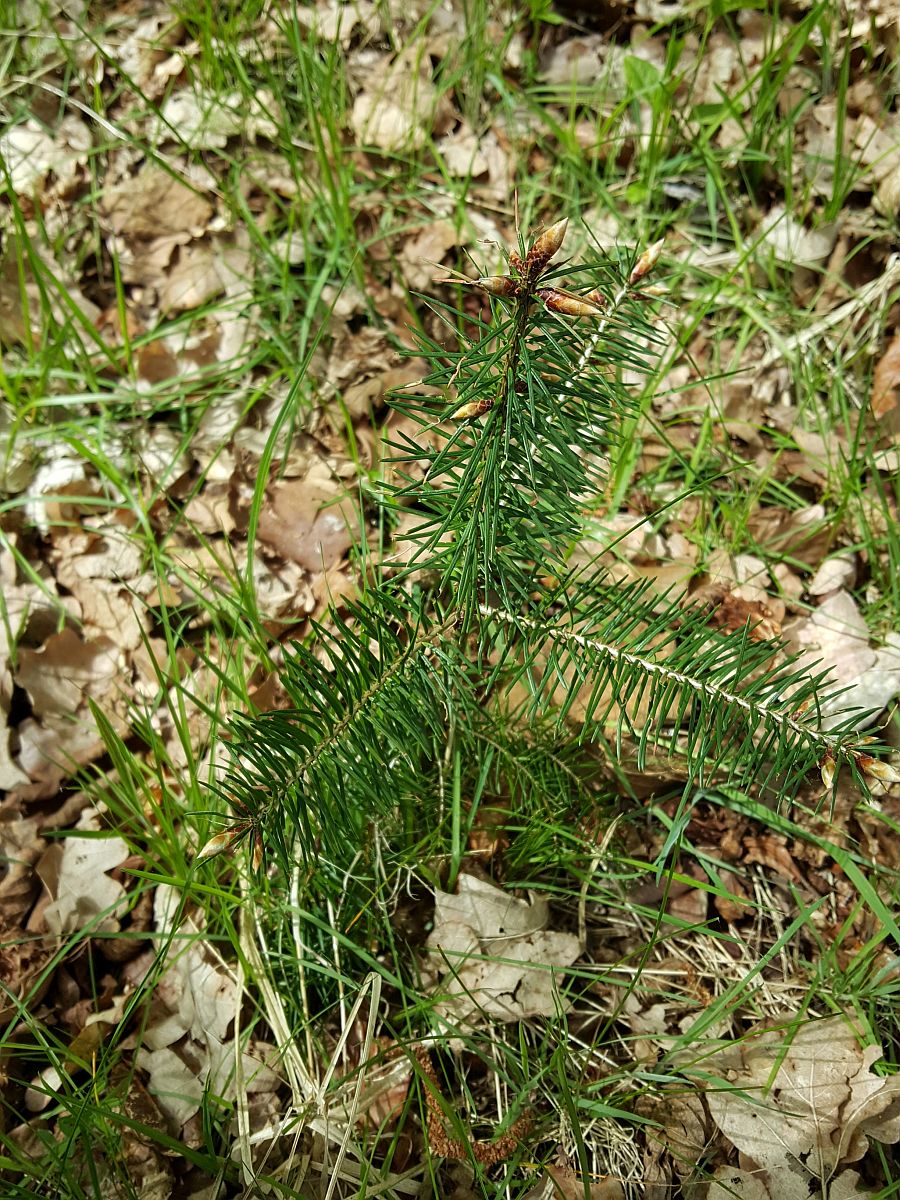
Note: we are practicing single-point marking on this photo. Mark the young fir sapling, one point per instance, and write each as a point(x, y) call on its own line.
point(491, 654)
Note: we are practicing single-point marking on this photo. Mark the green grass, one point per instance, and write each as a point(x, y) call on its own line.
point(327, 961)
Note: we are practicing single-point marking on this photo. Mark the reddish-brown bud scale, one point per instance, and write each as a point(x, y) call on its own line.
point(647, 261)
point(546, 246)
point(497, 285)
point(474, 408)
point(559, 301)
point(827, 766)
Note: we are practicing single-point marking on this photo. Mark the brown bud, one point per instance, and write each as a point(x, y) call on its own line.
point(474, 408)
point(595, 296)
point(563, 302)
point(218, 843)
point(257, 861)
point(515, 261)
point(546, 246)
point(647, 261)
point(827, 767)
point(497, 285)
point(875, 768)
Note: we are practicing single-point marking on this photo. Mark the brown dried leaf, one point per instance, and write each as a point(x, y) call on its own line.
point(65, 671)
point(399, 106)
point(154, 205)
point(735, 1183)
point(800, 1104)
point(771, 851)
point(188, 1041)
point(30, 153)
point(207, 119)
point(569, 1185)
point(300, 524)
point(835, 637)
point(421, 253)
point(886, 379)
point(495, 954)
point(24, 295)
point(74, 873)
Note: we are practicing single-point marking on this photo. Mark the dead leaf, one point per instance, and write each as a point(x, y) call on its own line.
point(799, 1104)
point(805, 534)
point(833, 574)
point(74, 872)
point(206, 120)
point(489, 911)
point(771, 851)
point(735, 1183)
point(363, 366)
point(399, 105)
point(25, 296)
point(681, 1126)
point(835, 638)
point(188, 1040)
point(569, 1185)
point(66, 670)
point(420, 255)
point(495, 956)
point(31, 153)
point(886, 379)
point(336, 21)
point(300, 524)
point(791, 242)
point(154, 204)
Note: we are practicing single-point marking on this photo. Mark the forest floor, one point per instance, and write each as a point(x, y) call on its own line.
point(223, 226)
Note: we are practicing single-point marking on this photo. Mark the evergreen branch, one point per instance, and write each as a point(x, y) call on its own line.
point(373, 692)
point(508, 490)
point(340, 735)
point(644, 265)
point(758, 710)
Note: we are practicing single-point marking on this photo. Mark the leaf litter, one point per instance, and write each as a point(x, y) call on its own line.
point(80, 608)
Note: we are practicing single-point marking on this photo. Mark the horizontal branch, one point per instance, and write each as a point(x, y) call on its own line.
point(757, 710)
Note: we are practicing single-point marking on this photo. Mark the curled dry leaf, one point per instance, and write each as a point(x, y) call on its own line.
point(419, 254)
point(188, 1040)
point(74, 872)
point(835, 638)
point(309, 520)
point(495, 955)
point(798, 1104)
point(154, 204)
point(66, 669)
point(568, 1184)
point(399, 105)
point(31, 153)
point(205, 120)
point(833, 574)
point(791, 242)
point(886, 380)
